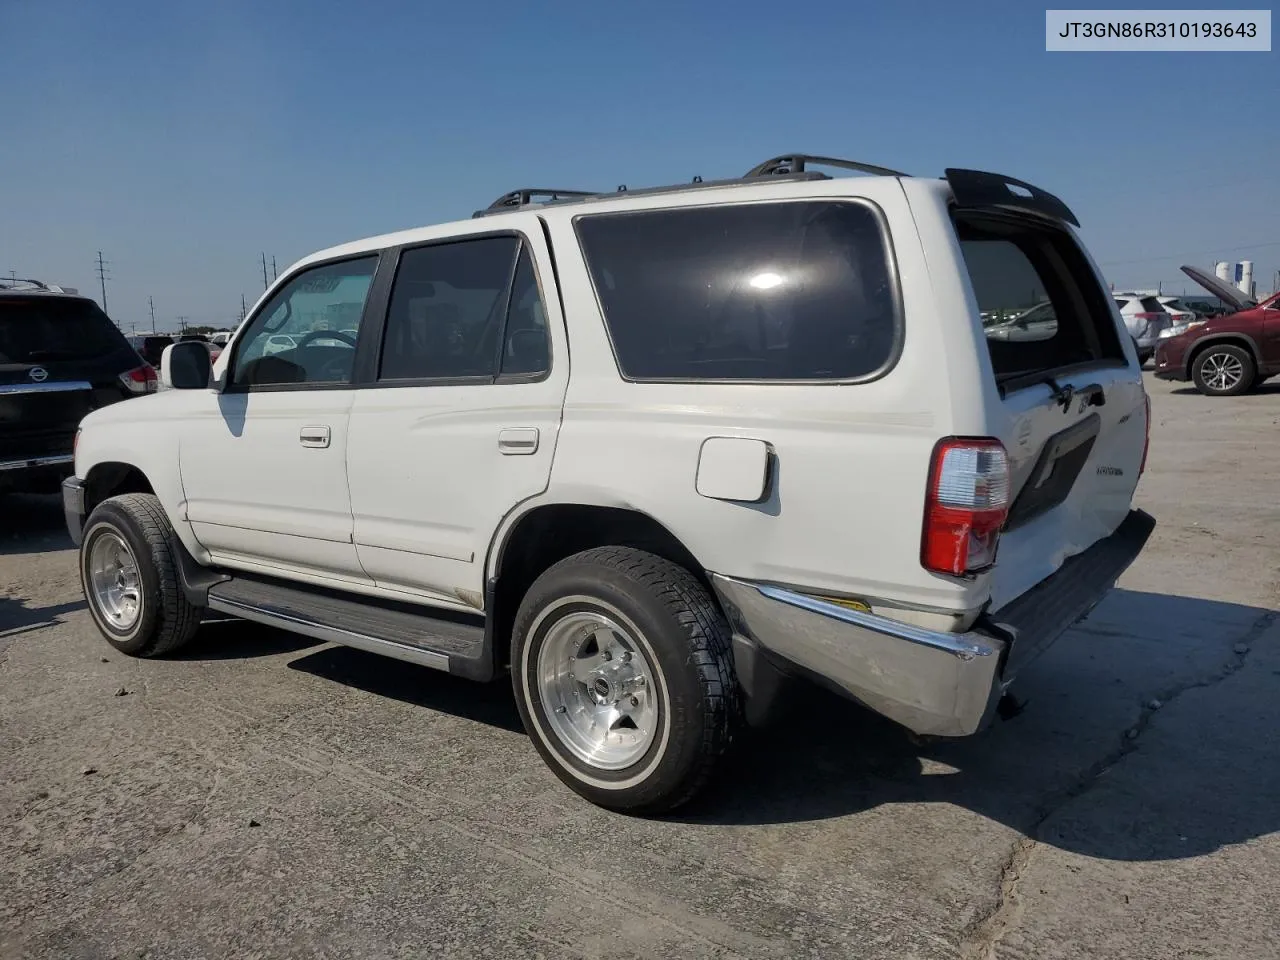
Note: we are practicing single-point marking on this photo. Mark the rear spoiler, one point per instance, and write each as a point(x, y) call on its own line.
point(974, 188)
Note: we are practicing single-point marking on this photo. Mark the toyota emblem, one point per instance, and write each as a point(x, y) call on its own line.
point(38, 374)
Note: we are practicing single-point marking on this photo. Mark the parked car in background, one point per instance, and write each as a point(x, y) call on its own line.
point(60, 358)
point(1227, 354)
point(1144, 317)
point(150, 346)
point(279, 344)
point(1038, 323)
point(1205, 307)
point(1176, 309)
point(215, 350)
point(220, 337)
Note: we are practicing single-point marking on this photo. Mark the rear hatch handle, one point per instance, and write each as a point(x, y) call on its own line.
point(1091, 395)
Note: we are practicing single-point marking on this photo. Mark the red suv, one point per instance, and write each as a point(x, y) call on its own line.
point(1228, 354)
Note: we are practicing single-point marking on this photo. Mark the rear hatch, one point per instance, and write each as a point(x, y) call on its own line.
point(1233, 298)
point(1072, 411)
point(60, 358)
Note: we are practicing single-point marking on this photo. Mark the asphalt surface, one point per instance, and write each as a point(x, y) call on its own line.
point(261, 796)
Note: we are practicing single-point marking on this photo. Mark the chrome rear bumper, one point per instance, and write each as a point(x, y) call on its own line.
point(931, 682)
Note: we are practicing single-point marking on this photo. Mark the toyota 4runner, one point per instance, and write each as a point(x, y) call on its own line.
point(650, 453)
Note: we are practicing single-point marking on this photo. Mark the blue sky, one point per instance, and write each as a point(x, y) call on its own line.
point(182, 140)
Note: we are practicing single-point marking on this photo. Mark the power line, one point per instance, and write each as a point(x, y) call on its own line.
point(1198, 253)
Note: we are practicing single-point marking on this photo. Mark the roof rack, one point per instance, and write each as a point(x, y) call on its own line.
point(518, 198)
point(796, 162)
point(12, 283)
point(792, 166)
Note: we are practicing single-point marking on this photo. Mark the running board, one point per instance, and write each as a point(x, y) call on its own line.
point(442, 640)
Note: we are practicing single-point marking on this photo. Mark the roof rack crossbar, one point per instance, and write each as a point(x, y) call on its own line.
point(518, 198)
point(796, 163)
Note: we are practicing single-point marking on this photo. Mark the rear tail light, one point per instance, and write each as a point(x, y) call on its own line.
point(1146, 441)
point(965, 506)
point(140, 379)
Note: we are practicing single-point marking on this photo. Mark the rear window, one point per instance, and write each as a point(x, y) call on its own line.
point(1152, 305)
point(1042, 308)
point(766, 291)
point(44, 329)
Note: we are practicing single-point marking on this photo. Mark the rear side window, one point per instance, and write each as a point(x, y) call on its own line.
point(1042, 308)
point(771, 291)
point(1152, 305)
point(465, 309)
point(48, 329)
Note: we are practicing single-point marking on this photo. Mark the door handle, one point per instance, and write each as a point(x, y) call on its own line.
point(518, 441)
point(314, 436)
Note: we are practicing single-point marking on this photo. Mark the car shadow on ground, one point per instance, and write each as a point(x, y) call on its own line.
point(17, 617)
point(1085, 729)
point(32, 524)
point(1149, 785)
point(227, 638)
point(487, 703)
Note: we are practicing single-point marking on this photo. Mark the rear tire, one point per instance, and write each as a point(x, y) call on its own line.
point(1223, 370)
point(130, 577)
point(624, 678)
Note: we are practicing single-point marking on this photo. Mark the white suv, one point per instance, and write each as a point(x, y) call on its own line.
point(651, 453)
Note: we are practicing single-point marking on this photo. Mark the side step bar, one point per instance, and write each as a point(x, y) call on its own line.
point(442, 640)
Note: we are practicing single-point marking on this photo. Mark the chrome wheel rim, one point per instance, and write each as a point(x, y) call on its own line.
point(114, 584)
point(598, 689)
point(1223, 371)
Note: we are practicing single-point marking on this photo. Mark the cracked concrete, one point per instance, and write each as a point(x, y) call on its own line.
point(1004, 917)
point(263, 796)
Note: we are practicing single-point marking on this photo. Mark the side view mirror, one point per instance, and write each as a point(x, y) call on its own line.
point(185, 366)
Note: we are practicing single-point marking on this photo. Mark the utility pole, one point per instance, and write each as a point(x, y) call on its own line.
point(152, 304)
point(265, 282)
point(182, 324)
point(102, 278)
point(273, 267)
point(243, 309)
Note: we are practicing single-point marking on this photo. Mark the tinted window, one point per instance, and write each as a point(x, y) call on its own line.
point(44, 329)
point(448, 307)
point(1041, 305)
point(1152, 305)
point(526, 349)
point(779, 291)
point(306, 332)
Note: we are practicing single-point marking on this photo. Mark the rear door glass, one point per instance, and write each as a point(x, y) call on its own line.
point(1042, 308)
point(47, 329)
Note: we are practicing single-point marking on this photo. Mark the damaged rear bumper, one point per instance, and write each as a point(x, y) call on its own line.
point(931, 682)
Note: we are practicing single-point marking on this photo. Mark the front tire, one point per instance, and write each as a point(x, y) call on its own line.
point(130, 577)
point(1224, 370)
point(624, 679)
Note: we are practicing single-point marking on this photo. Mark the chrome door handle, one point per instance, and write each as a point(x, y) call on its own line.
point(314, 436)
point(518, 441)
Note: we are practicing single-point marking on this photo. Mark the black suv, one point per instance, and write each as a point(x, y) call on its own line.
point(60, 357)
point(150, 346)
